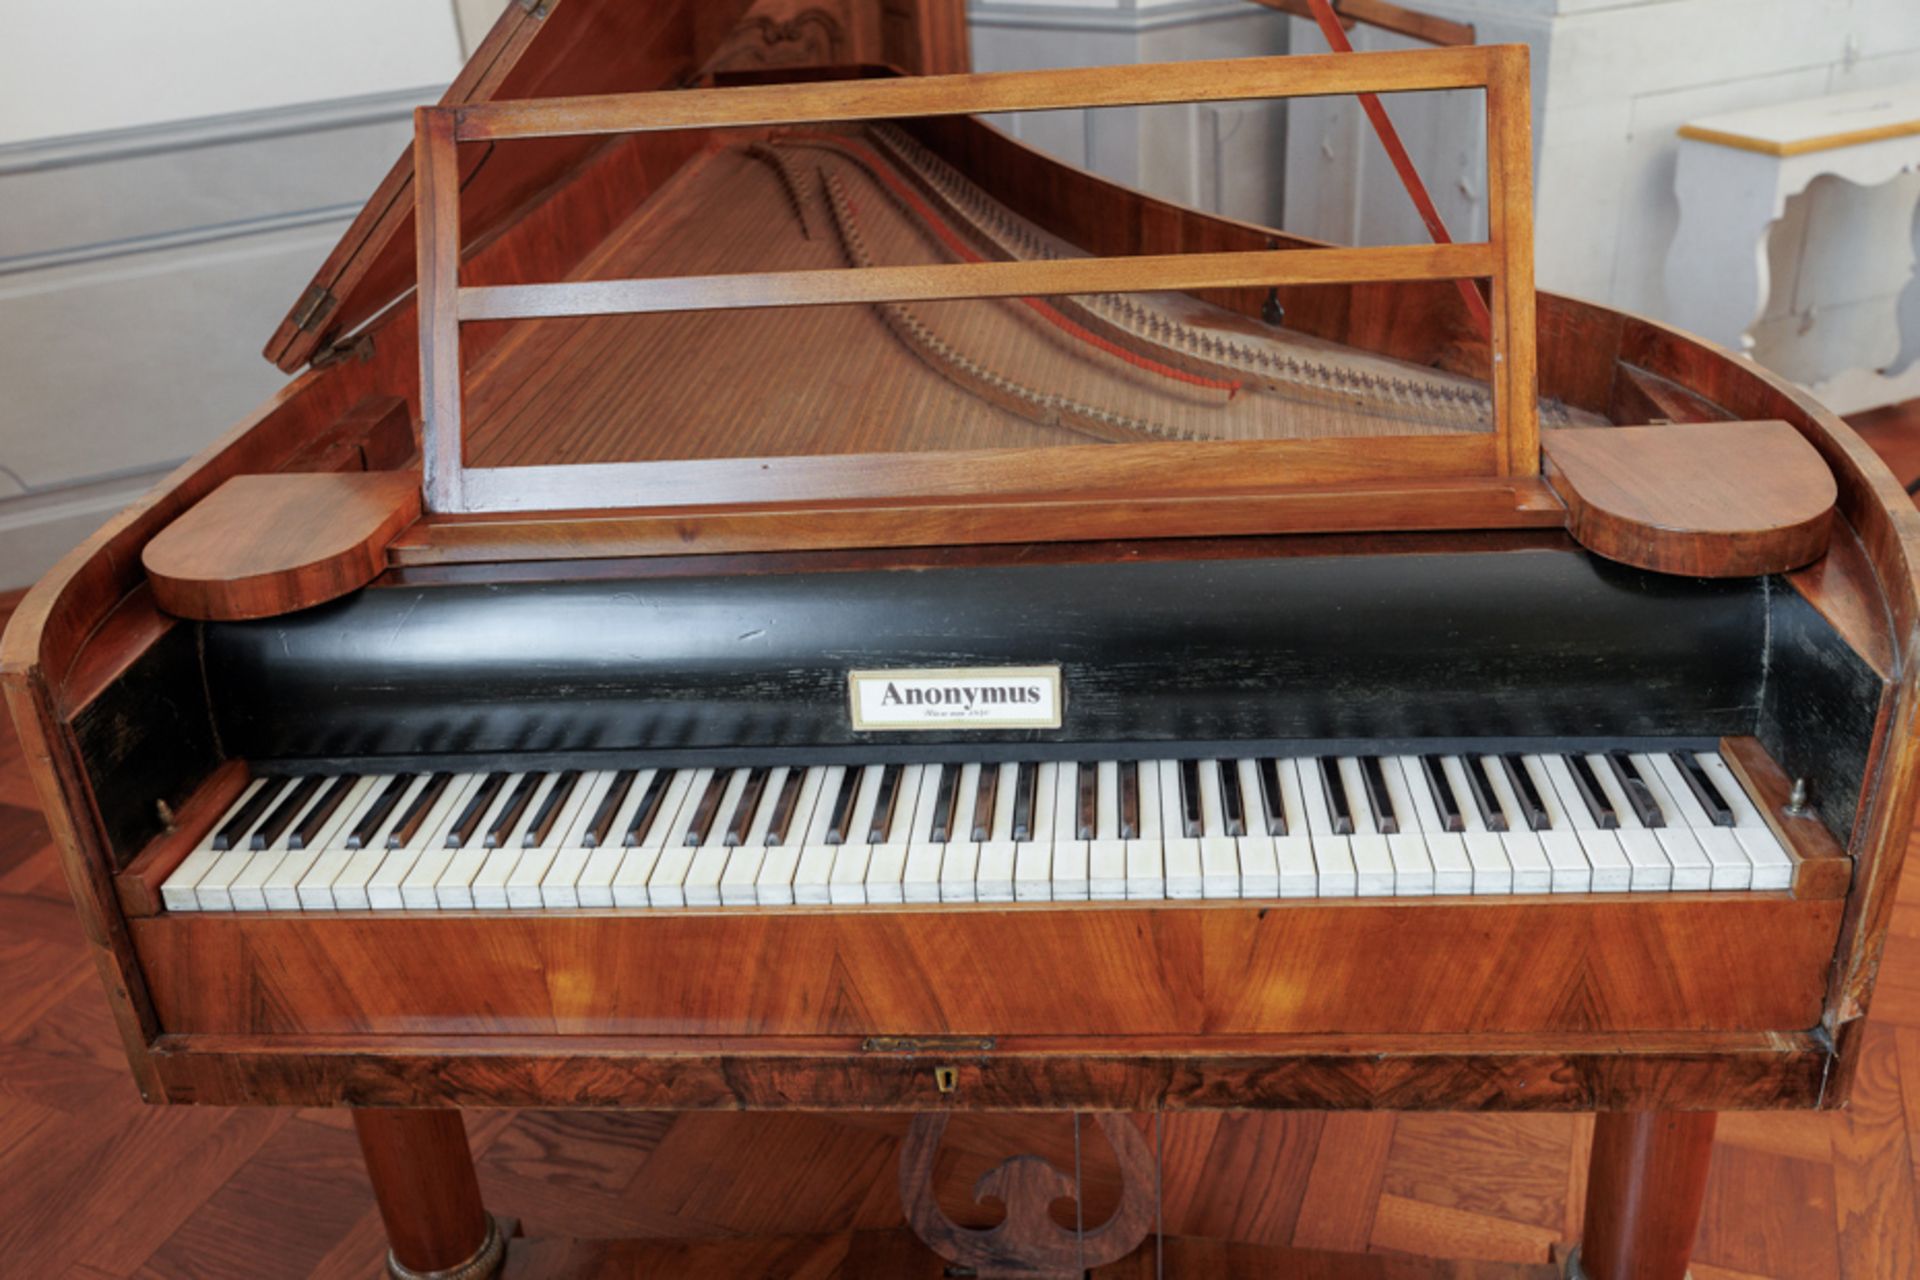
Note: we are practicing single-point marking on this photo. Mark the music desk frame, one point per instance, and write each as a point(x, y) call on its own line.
point(1512, 449)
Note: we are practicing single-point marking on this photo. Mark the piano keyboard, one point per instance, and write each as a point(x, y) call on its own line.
point(1328, 827)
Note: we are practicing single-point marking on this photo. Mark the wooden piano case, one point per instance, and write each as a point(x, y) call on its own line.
point(1655, 1010)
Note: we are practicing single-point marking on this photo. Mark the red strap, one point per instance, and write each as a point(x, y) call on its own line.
point(1402, 163)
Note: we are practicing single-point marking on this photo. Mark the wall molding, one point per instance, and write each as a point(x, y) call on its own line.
point(182, 238)
point(40, 526)
point(41, 154)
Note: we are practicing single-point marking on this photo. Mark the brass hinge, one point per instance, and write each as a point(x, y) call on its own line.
point(315, 305)
point(927, 1044)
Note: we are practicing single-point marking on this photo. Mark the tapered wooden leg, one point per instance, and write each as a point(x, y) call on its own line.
point(1644, 1192)
point(423, 1179)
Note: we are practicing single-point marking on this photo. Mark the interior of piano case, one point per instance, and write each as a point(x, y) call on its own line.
point(918, 376)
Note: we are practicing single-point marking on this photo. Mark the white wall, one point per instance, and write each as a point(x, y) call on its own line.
point(1215, 156)
point(85, 65)
point(1613, 81)
point(172, 172)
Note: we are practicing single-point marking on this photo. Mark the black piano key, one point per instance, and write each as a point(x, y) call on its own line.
point(330, 801)
point(549, 812)
point(236, 828)
point(1639, 795)
point(1385, 820)
point(1026, 785)
point(408, 828)
point(1719, 812)
point(1087, 811)
point(1233, 805)
point(501, 829)
point(1191, 823)
point(1520, 778)
point(1272, 798)
point(285, 812)
point(783, 808)
point(1592, 793)
point(648, 811)
point(383, 805)
point(884, 802)
point(1338, 805)
point(1129, 799)
point(468, 824)
point(841, 816)
point(1444, 801)
point(749, 805)
point(707, 808)
point(983, 799)
point(1485, 798)
point(946, 804)
point(600, 826)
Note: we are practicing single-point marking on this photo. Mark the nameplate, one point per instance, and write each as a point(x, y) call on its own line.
point(956, 698)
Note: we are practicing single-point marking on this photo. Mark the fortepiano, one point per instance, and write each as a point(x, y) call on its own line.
point(813, 605)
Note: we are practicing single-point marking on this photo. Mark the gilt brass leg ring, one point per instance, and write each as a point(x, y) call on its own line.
point(484, 1263)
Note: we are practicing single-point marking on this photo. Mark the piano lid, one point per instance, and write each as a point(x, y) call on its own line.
point(554, 48)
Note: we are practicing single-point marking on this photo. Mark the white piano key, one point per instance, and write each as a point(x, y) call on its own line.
point(1731, 868)
point(1146, 867)
point(961, 860)
point(1612, 872)
point(999, 855)
point(401, 882)
point(887, 866)
point(666, 884)
point(304, 879)
point(1372, 856)
point(702, 885)
point(1033, 858)
point(1571, 872)
point(1693, 870)
point(1412, 866)
point(453, 887)
point(774, 885)
point(1526, 852)
point(1299, 873)
point(1219, 852)
point(176, 892)
point(1652, 869)
point(738, 883)
point(813, 873)
point(1259, 863)
point(1072, 856)
point(1492, 871)
point(489, 885)
point(559, 886)
point(1447, 850)
point(523, 886)
point(1772, 864)
point(631, 884)
point(350, 889)
point(848, 881)
point(1185, 877)
point(1333, 854)
point(233, 882)
point(1072, 878)
point(920, 880)
point(1106, 853)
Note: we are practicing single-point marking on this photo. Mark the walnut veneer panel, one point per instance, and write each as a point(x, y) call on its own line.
point(1692, 962)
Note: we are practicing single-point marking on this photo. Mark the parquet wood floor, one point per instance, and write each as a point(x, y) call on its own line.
point(93, 1184)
